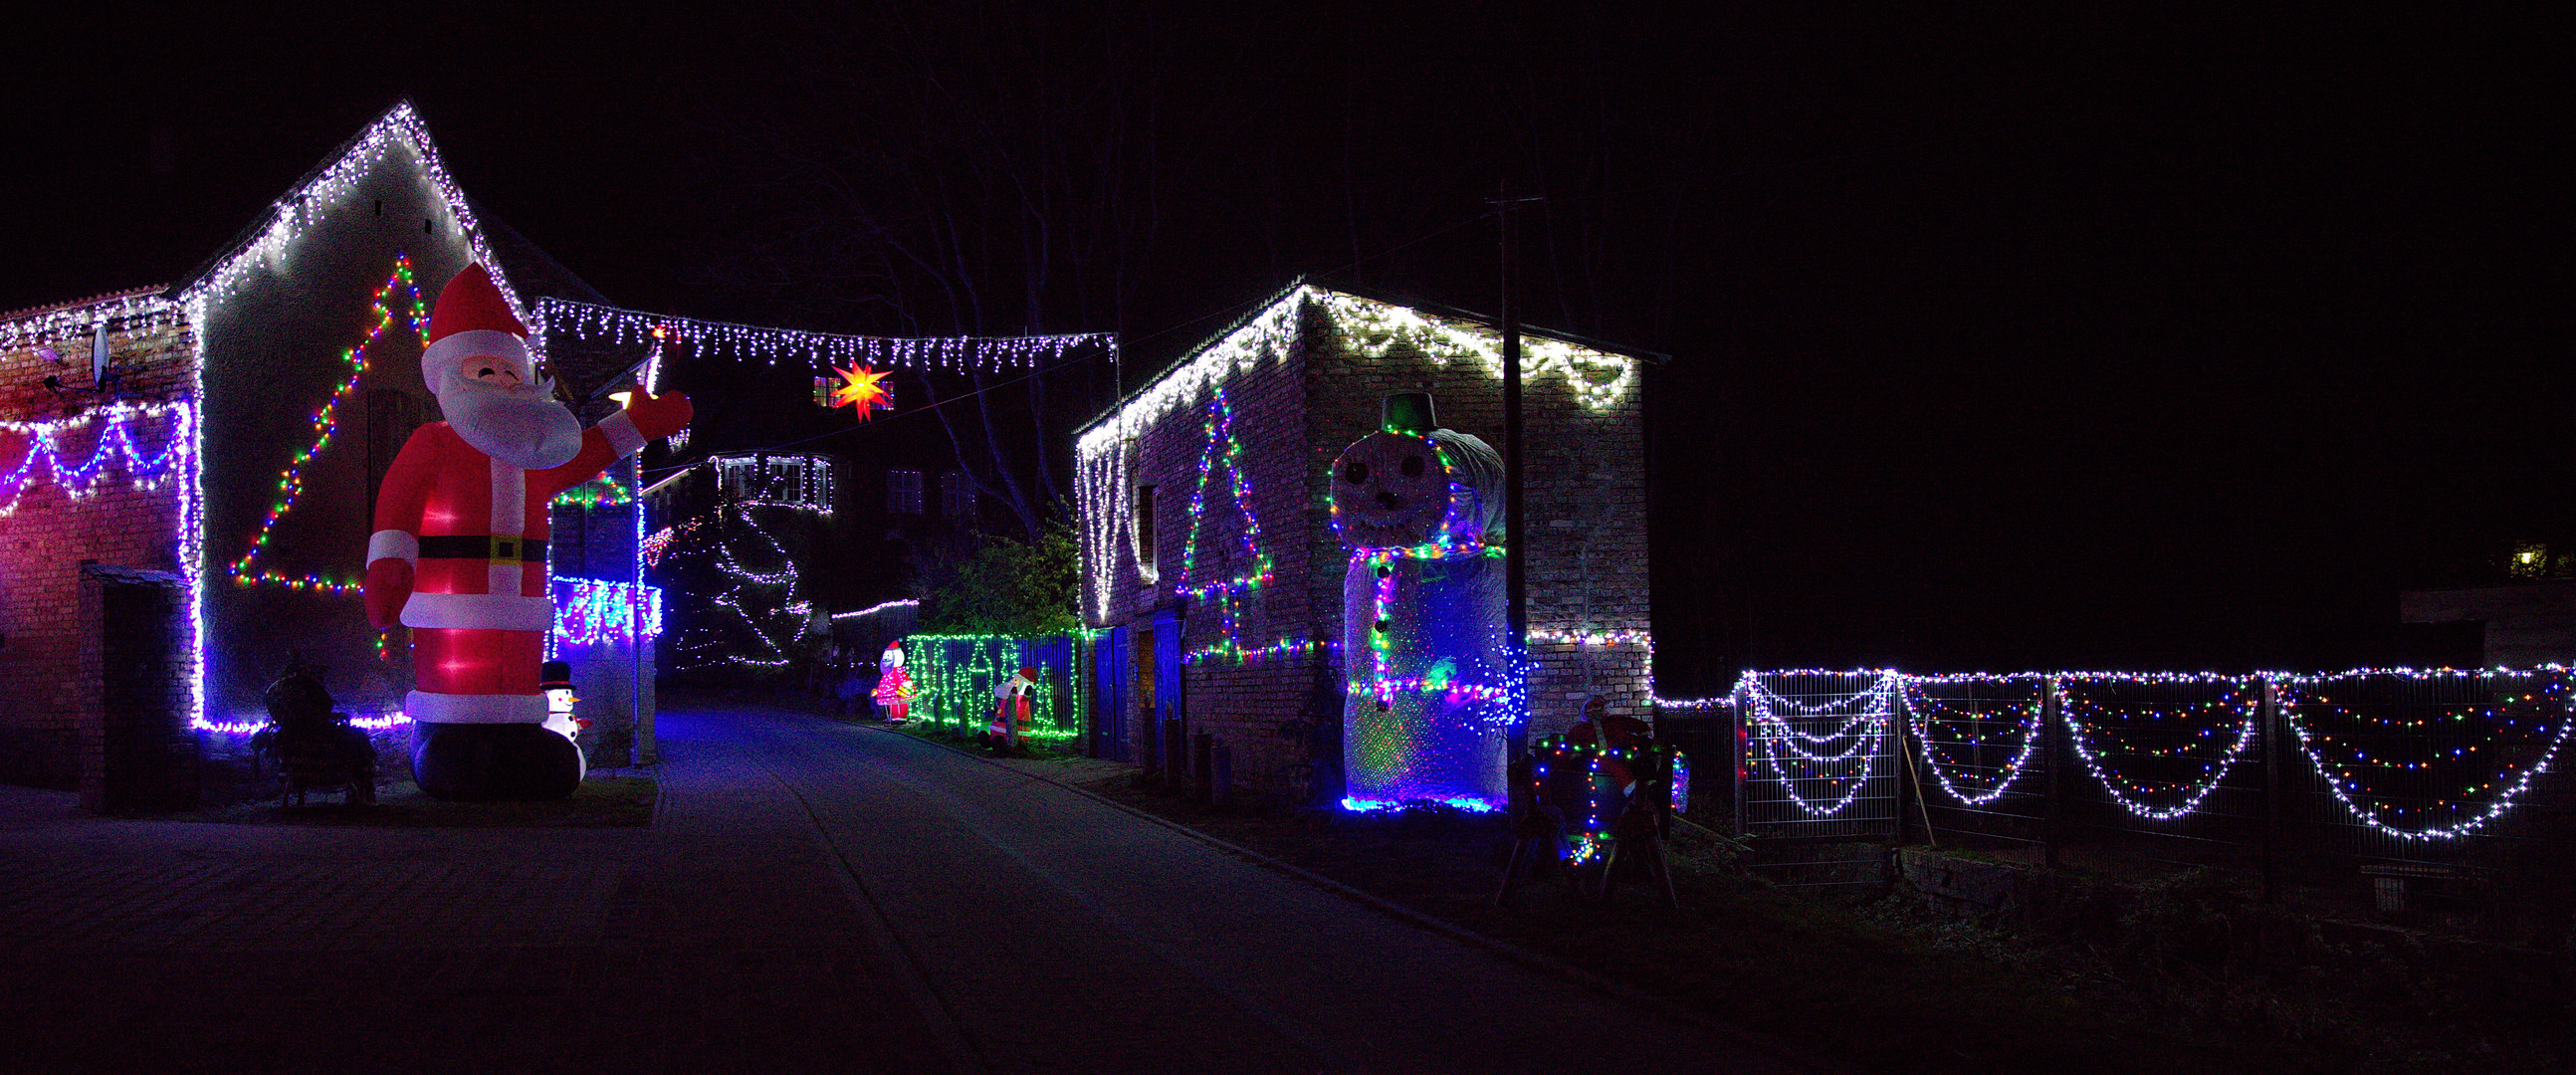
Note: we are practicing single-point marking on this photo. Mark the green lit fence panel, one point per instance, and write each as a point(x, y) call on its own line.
point(957, 674)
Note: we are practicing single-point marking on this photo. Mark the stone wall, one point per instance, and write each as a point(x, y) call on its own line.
point(52, 523)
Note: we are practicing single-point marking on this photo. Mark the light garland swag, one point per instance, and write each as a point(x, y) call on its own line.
point(2525, 722)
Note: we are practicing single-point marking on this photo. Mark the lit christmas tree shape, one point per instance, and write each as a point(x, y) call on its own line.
point(397, 301)
point(1427, 700)
point(1228, 595)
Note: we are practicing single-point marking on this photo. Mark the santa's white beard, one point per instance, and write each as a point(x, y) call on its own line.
point(522, 426)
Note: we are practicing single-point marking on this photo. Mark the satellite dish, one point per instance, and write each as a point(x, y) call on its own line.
point(98, 356)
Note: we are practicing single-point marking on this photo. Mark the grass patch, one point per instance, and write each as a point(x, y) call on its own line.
point(601, 802)
point(1882, 985)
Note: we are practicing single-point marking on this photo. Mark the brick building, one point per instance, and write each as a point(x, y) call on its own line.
point(188, 471)
point(1241, 437)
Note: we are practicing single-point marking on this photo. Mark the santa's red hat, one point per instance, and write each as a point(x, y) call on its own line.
point(1030, 674)
point(472, 319)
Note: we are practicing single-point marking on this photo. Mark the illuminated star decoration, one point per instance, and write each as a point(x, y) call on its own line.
point(860, 387)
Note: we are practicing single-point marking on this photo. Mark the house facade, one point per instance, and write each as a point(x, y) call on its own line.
point(220, 442)
point(1216, 577)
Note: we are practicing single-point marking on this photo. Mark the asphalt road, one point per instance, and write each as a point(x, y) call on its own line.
point(811, 896)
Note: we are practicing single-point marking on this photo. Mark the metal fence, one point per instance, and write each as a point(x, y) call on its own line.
point(1813, 773)
point(2295, 778)
point(956, 675)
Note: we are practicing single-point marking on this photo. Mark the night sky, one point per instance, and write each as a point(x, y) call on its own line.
point(2116, 339)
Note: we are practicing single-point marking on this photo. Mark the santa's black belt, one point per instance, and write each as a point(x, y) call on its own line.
point(483, 547)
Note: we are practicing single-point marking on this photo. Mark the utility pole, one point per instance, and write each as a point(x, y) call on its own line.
point(1515, 524)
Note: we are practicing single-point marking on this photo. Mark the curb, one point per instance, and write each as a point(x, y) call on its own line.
point(1533, 960)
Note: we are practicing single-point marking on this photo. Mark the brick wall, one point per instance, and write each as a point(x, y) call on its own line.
point(1280, 715)
point(1251, 707)
point(47, 533)
point(1586, 486)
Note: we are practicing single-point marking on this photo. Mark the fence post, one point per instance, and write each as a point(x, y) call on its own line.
point(2051, 754)
point(1743, 760)
point(1903, 763)
point(2267, 719)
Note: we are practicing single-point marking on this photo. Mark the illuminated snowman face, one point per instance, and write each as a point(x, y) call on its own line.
point(1390, 490)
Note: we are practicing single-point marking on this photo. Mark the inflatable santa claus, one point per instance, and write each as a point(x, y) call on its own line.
point(459, 552)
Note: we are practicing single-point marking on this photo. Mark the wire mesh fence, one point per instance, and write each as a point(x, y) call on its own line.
point(2444, 780)
point(1980, 742)
point(2441, 778)
point(1817, 751)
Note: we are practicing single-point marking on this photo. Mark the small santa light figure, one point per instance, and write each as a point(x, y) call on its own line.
point(894, 685)
point(1010, 721)
point(459, 552)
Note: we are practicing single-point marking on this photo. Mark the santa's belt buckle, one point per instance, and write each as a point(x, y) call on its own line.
point(503, 549)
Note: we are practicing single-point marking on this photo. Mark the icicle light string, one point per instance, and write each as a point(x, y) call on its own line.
point(132, 315)
point(592, 323)
point(1106, 463)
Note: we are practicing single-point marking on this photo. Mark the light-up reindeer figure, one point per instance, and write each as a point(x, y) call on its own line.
point(1426, 702)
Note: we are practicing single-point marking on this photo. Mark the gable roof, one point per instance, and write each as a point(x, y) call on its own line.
point(523, 272)
point(1374, 322)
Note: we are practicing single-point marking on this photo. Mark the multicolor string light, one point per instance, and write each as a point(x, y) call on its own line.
point(589, 612)
point(2348, 769)
point(2526, 718)
point(398, 299)
point(1930, 712)
point(1229, 595)
point(600, 492)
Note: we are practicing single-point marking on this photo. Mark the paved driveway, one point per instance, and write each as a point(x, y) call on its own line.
point(812, 896)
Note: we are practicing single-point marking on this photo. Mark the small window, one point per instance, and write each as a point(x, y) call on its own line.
point(903, 492)
point(956, 497)
point(1145, 527)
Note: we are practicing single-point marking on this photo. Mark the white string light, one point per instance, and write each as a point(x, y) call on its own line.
point(593, 323)
point(901, 602)
point(1774, 734)
point(1104, 451)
